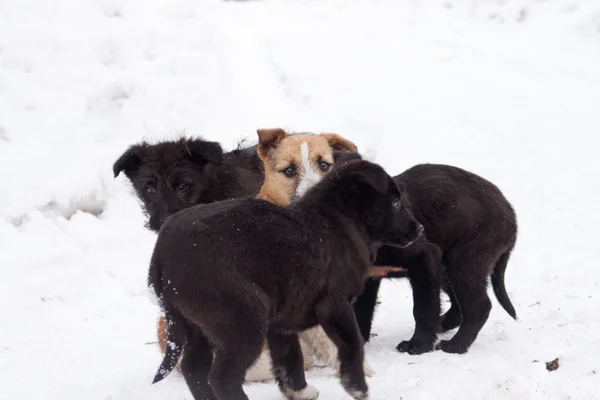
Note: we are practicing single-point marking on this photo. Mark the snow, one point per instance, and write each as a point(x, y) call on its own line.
point(506, 88)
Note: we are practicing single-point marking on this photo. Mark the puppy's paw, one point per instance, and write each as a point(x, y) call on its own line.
point(357, 389)
point(448, 346)
point(308, 393)
point(369, 372)
point(360, 395)
point(414, 347)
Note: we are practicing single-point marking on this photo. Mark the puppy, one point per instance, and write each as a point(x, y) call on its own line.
point(232, 274)
point(470, 230)
point(172, 175)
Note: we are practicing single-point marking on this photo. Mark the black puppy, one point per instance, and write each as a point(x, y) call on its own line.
point(231, 274)
point(471, 226)
point(173, 175)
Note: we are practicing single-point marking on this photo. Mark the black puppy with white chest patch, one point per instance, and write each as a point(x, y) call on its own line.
point(233, 274)
point(470, 231)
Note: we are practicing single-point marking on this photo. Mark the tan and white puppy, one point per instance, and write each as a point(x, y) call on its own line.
point(294, 163)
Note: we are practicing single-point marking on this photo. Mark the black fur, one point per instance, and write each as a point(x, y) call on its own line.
point(470, 231)
point(172, 175)
point(231, 274)
point(343, 157)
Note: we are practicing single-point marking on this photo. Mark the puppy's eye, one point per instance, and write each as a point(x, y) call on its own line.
point(150, 189)
point(289, 172)
point(324, 166)
point(183, 187)
point(396, 203)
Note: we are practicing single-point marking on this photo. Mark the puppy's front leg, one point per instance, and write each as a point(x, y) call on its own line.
point(339, 323)
point(425, 282)
point(325, 350)
point(307, 353)
point(288, 366)
point(321, 346)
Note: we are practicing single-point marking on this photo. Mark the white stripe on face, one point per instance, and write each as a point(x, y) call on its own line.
point(309, 176)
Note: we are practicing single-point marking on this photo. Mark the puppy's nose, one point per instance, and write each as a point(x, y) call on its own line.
point(420, 229)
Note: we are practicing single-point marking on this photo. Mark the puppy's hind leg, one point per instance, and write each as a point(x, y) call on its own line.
point(229, 367)
point(239, 335)
point(196, 364)
point(307, 354)
point(336, 316)
point(470, 289)
point(262, 369)
point(452, 318)
point(288, 367)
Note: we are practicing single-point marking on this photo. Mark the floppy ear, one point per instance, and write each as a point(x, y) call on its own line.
point(129, 161)
point(337, 142)
point(342, 157)
point(374, 176)
point(202, 152)
point(268, 140)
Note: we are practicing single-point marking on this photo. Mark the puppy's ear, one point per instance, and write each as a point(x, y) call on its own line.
point(202, 152)
point(374, 176)
point(339, 143)
point(268, 140)
point(129, 161)
point(342, 157)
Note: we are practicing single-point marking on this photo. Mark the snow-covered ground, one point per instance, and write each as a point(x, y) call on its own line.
point(509, 89)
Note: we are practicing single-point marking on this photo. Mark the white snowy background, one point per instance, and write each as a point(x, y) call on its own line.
point(509, 89)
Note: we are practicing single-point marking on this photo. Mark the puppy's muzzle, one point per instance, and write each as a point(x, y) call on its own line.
point(420, 230)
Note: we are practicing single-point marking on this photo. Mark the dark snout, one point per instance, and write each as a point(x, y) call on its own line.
point(414, 232)
point(420, 229)
point(158, 217)
point(408, 229)
point(156, 221)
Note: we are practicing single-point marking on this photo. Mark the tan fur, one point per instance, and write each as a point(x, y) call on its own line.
point(279, 150)
point(323, 349)
point(162, 335)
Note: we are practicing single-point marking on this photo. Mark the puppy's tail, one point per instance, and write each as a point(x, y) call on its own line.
point(176, 337)
point(498, 284)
